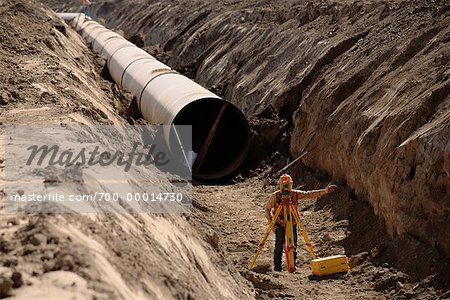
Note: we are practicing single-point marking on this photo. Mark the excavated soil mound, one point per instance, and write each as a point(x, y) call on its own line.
point(48, 76)
point(362, 85)
point(367, 82)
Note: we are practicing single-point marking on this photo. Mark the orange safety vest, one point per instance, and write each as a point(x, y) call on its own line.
point(294, 198)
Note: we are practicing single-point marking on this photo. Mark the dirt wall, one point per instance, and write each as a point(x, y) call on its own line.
point(48, 76)
point(367, 82)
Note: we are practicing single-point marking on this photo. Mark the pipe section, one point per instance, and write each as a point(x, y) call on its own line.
point(220, 133)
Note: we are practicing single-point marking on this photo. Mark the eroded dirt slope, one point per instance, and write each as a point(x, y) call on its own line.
point(367, 82)
point(295, 67)
point(48, 76)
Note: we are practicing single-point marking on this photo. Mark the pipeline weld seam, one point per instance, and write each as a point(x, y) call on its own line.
point(89, 24)
point(137, 59)
point(121, 47)
point(103, 31)
point(89, 34)
point(169, 71)
point(108, 41)
point(83, 26)
point(95, 42)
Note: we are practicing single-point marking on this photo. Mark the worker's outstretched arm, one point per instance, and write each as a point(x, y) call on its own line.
point(314, 194)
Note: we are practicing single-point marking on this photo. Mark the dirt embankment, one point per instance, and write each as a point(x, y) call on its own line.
point(48, 76)
point(367, 82)
point(293, 67)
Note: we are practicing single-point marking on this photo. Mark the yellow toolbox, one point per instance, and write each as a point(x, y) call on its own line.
point(329, 265)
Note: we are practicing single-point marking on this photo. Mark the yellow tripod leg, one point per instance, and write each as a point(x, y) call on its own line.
point(289, 240)
point(266, 235)
point(303, 233)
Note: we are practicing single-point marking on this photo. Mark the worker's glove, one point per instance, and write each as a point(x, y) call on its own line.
point(330, 188)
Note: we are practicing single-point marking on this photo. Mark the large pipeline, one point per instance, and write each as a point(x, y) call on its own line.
point(220, 134)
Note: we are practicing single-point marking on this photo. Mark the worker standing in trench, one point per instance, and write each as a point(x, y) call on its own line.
point(86, 4)
point(272, 204)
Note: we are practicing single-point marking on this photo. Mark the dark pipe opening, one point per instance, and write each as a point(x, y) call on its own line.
point(228, 137)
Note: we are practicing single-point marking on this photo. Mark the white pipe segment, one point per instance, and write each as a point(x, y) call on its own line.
point(125, 58)
point(68, 16)
point(84, 28)
point(181, 90)
point(111, 46)
point(220, 130)
point(89, 29)
point(78, 21)
point(99, 37)
point(138, 75)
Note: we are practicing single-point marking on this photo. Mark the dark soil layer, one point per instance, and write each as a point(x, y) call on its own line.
point(367, 82)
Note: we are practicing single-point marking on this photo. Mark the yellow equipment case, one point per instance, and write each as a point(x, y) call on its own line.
point(329, 265)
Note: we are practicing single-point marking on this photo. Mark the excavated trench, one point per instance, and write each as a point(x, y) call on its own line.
point(354, 79)
point(356, 86)
point(49, 77)
point(361, 85)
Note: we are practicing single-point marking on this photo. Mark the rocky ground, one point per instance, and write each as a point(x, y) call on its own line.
point(363, 86)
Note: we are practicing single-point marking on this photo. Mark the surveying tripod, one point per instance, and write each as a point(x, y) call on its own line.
point(290, 212)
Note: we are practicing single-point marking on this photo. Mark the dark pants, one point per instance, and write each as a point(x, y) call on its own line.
point(86, 10)
point(279, 245)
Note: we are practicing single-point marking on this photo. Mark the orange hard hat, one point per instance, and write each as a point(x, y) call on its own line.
point(286, 182)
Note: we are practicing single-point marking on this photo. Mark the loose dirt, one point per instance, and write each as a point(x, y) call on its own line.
point(49, 76)
point(361, 85)
point(366, 82)
point(337, 224)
